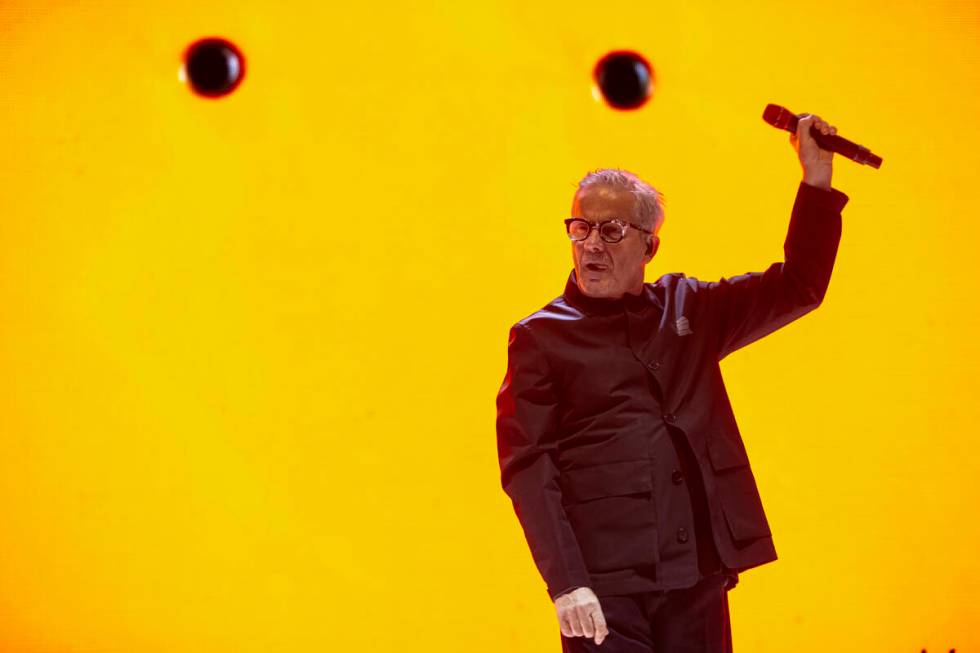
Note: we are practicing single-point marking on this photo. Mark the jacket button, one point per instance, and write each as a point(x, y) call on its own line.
point(681, 535)
point(677, 477)
point(654, 365)
point(669, 417)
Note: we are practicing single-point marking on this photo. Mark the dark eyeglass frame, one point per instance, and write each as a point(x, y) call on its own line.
point(598, 225)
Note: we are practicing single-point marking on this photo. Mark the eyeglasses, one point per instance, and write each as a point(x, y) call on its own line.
point(611, 231)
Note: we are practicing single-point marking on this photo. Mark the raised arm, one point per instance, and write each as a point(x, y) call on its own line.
point(748, 306)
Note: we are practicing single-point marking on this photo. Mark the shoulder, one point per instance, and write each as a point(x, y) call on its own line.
point(545, 329)
point(554, 312)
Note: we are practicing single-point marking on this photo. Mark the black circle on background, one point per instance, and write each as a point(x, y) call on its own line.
point(625, 79)
point(213, 66)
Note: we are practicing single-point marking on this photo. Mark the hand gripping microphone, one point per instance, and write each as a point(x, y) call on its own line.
point(783, 118)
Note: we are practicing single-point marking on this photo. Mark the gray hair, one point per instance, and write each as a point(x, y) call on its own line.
point(648, 205)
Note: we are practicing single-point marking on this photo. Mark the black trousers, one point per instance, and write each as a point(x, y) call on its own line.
point(690, 620)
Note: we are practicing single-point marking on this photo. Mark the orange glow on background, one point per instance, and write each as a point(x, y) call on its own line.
point(251, 345)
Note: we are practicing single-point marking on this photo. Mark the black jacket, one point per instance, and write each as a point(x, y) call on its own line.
point(574, 432)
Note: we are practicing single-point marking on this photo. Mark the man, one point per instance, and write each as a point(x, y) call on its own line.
point(616, 439)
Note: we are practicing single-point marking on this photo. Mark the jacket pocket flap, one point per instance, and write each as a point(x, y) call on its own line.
point(726, 453)
point(606, 480)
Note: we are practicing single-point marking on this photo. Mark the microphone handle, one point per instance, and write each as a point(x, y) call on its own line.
point(844, 147)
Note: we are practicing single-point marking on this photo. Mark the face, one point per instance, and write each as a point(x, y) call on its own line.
point(609, 269)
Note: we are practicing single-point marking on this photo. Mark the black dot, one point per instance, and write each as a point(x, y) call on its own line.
point(625, 79)
point(213, 67)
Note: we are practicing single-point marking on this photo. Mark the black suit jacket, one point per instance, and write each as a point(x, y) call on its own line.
point(571, 443)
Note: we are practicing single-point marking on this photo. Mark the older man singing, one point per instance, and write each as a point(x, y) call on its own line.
point(616, 439)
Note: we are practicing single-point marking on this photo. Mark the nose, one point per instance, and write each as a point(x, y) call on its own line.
point(594, 243)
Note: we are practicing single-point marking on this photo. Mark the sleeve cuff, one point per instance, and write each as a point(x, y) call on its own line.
point(832, 199)
point(555, 595)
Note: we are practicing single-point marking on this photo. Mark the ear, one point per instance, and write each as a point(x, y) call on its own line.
point(653, 244)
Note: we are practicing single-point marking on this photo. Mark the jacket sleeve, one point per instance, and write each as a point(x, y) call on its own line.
point(747, 307)
point(527, 409)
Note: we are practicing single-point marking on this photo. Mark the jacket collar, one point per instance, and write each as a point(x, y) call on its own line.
point(605, 305)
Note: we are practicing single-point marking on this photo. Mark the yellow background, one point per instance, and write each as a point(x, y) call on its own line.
point(250, 347)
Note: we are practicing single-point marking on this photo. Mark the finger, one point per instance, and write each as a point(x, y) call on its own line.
point(566, 627)
point(803, 128)
point(601, 630)
point(567, 623)
point(585, 619)
point(574, 623)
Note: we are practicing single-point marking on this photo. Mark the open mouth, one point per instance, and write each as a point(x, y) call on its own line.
point(596, 267)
